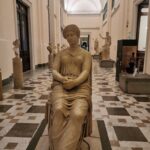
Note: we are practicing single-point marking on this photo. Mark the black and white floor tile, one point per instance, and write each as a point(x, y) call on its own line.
point(121, 120)
point(22, 113)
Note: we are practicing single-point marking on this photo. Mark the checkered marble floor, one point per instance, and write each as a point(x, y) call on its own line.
point(121, 120)
point(22, 113)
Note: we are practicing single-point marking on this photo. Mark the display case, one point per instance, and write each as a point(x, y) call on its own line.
point(125, 49)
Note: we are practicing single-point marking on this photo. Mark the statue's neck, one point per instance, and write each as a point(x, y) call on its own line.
point(73, 47)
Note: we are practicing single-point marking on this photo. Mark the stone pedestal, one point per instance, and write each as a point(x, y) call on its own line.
point(1, 90)
point(50, 61)
point(107, 63)
point(17, 73)
point(140, 84)
point(96, 56)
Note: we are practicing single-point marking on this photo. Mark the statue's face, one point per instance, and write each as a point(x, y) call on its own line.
point(72, 38)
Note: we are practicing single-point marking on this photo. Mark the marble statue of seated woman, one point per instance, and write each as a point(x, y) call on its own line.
point(71, 92)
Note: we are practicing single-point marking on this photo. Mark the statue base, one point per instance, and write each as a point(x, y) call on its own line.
point(17, 73)
point(108, 63)
point(96, 56)
point(1, 90)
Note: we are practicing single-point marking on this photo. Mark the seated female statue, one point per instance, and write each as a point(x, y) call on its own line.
point(71, 92)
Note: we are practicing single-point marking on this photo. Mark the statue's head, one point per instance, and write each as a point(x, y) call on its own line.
point(49, 48)
point(72, 27)
point(16, 43)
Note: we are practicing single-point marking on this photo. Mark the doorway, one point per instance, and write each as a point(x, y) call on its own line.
point(141, 35)
point(23, 34)
point(84, 42)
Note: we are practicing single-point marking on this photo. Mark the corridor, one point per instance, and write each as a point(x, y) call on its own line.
point(120, 121)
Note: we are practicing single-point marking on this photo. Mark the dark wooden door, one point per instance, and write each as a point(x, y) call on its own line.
point(23, 34)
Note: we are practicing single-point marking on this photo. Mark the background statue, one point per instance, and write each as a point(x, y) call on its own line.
point(96, 46)
point(107, 40)
point(50, 48)
point(106, 46)
point(71, 93)
point(16, 45)
point(50, 56)
point(58, 47)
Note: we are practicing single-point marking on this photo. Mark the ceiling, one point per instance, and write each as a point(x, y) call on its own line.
point(84, 6)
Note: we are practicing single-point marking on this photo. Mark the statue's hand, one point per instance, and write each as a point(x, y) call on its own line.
point(64, 79)
point(69, 84)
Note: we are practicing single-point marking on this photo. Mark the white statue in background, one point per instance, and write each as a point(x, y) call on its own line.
point(16, 45)
point(96, 46)
point(106, 46)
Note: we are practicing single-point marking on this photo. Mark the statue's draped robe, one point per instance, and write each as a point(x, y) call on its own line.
point(70, 107)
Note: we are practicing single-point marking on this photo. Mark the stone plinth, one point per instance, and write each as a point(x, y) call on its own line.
point(140, 84)
point(107, 63)
point(17, 73)
point(96, 56)
point(50, 60)
point(1, 90)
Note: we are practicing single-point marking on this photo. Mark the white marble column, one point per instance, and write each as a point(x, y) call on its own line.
point(1, 90)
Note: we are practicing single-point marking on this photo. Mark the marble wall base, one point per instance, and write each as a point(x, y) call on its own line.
point(1, 90)
point(17, 73)
point(107, 63)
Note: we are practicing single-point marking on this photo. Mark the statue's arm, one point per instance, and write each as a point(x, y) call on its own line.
point(86, 70)
point(56, 68)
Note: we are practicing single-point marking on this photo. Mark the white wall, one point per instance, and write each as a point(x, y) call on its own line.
point(88, 24)
point(42, 29)
point(38, 30)
point(117, 29)
point(7, 36)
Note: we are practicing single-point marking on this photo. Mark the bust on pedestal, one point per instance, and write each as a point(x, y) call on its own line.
point(17, 66)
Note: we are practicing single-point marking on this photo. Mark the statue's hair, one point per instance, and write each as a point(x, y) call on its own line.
point(72, 27)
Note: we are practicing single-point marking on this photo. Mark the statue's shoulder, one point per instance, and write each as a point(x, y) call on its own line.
point(85, 52)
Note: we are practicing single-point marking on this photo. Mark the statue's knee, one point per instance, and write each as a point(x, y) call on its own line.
point(77, 115)
point(59, 108)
